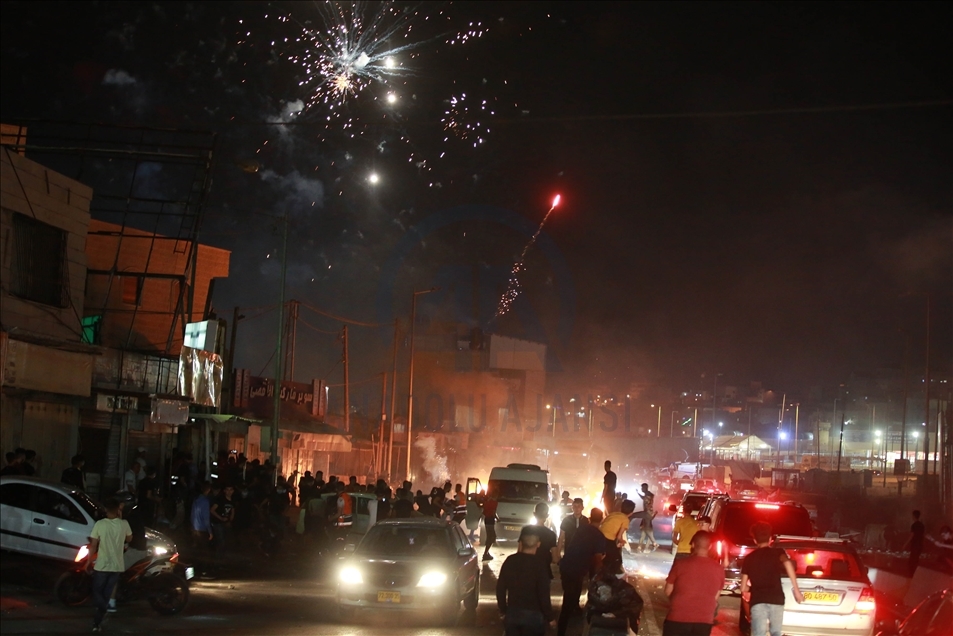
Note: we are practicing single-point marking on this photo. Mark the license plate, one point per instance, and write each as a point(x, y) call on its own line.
point(822, 598)
point(512, 528)
point(388, 597)
point(189, 574)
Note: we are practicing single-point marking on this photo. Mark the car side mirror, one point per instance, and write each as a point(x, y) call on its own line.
point(466, 552)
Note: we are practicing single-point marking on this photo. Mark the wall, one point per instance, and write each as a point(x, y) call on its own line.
point(28, 188)
point(133, 252)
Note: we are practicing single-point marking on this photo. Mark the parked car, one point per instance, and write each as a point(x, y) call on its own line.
point(932, 617)
point(731, 522)
point(52, 520)
point(838, 596)
point(410, 564)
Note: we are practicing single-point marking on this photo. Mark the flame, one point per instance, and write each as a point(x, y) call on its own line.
point(556, 200)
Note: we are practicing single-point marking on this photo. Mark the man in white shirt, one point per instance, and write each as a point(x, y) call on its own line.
point(108, 541)
point(130, 481)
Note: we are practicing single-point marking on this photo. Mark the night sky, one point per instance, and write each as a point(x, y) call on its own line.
point(748, 189)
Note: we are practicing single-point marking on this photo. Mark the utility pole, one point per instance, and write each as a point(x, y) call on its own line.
point(276, 403)
point(230, 359)
point(393, 405)
point(749, 433)
point(695, 424)
point(347, 386)
point(292, 340)
point(784, 401)
point(379, 456)
point(840, 446)
point(926, 432)
point(410, 383)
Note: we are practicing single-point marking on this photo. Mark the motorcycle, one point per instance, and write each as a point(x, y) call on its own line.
point(158, 577)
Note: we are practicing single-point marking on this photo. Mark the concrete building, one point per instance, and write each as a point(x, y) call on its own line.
point(45, 367)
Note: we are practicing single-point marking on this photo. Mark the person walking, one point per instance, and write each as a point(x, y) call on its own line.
point(608, 488)
point(489, 523)
point(761, 574)
point(570, 524)
point(682, 533)
point(201, 519)
point(646, 530)
point(614, 529)
point(693, 586)
point(222, 512)
point(584, 554)
point(473, 515)
point(915, 543)
point(108, 540)
point(522, 590)
point(546, 551)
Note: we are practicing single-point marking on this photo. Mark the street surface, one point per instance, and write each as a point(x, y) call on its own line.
point(294, 593)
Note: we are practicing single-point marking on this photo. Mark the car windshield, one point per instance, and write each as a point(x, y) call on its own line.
point(405, 541)
point(787, 520)
point(692, 505)
point(820, 563)
point(511, 490)
point(92, 508)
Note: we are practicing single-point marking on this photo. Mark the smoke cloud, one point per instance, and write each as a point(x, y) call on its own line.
point(118, 77)
point(434, 463)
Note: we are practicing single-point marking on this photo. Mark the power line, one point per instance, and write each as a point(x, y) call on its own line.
point(349, 321)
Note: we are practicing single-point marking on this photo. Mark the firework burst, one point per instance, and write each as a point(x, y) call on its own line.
point(463, 119)
point(513, 286)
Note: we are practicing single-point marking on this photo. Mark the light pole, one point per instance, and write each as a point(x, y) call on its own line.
point(410, 383)
point(548, 407)
point(276, 402)
point(658, 430)
point(797, 416)
point(671, 425)
point(781, 435)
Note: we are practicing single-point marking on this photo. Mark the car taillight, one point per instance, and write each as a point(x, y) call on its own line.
point(82, 554)
point(719, 547)
point(866, 602)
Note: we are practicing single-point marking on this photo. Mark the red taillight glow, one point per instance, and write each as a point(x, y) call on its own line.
point(866, 602)
point(82, 554)
point(174, 558)
point(719, 547)
point(767, 506)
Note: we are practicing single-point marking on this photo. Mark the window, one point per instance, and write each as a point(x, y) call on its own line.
point(53, 504)
point(16, 495)
point(132, 290)
point(513, 490)
point(406, 541)
point(39, 263)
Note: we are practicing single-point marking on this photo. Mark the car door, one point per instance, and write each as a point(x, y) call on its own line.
point(58, 524)
point(467, 567)
point(474, 486)
point(16, 519)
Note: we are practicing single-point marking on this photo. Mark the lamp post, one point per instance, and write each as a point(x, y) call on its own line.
point(410, 383)
point(276, 403)
point(671, 425)
point(658, 430)
point(553, 408)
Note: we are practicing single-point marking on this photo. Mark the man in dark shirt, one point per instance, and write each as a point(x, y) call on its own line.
point(761, 574)
point(583, 554)
point(547, 551)
point(915, 542)
point(147, 495)
point(522, 590)
point(571, 523)
point(73, 476)
point(608, 488)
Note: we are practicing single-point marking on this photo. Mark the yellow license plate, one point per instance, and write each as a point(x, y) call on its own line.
point(388, 597)
point(512, 528)
point(822, 598)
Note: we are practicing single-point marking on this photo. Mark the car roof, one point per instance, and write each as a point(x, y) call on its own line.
point(818, 542)
point(37, 481)
point(422, 522)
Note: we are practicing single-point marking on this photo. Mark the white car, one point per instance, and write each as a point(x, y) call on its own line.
point(52, 520)
point(838, 596)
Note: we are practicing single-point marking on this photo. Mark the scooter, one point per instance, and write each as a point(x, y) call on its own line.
point(160, 578)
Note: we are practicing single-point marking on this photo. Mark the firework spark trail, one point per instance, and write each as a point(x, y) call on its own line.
point(513, 287)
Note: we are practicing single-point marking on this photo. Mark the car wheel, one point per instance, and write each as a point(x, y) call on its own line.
point(472, 599)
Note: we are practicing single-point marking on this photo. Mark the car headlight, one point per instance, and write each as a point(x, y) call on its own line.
point(159, 550)
point(432, 579)
point(350, 575)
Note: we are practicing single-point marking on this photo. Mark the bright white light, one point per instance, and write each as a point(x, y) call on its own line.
point(432, 579)
point(916, 434)
point(373, 178)
point(878, 433)
point(389, 62)
point(159, 550)
point(391, 98)
point(361, 60)
point(350, 575)
point(720, 424)
point(783, 435)
point(556, 200)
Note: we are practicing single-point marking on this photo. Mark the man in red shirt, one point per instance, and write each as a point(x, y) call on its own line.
point(693, 585)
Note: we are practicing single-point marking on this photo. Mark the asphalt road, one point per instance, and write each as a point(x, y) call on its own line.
point(294, 594)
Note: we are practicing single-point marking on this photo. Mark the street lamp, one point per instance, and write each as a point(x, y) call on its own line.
point(659, 428)
point(550, 406)
point(410, 387)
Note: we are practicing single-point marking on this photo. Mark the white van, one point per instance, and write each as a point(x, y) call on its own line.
point(517, 488)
